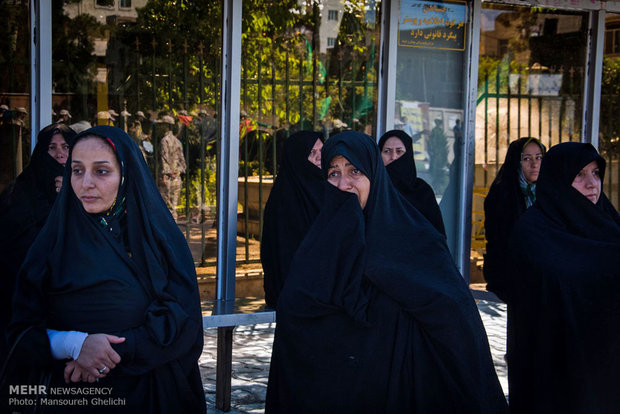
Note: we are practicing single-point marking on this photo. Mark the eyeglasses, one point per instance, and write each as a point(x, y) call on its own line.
point(529, 158)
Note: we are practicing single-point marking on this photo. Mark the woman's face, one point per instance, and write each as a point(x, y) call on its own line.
point(347, 177)
point(530, 161)
point(588, 182)
point(392, 150)
point(315, 153)
point(95, 174)
point(58, 148)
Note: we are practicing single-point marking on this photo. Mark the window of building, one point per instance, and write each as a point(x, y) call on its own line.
point(125, 4)
point(331, 41)
point(332, 15)
point(104, 3)
point(612, 41)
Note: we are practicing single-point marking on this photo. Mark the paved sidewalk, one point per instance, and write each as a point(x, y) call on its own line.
point(252, 352)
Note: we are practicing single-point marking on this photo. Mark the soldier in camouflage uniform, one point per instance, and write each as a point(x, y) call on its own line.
point(172, 166)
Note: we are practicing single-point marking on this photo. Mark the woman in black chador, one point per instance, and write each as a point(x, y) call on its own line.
point(397, 153)
point(293, 204)
point(511, 193)
point(374, 316)
point(110, 280)
point(566, 250)
point(24, 207)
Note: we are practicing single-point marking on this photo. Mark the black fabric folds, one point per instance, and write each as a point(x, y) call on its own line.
point(503, 206)
point(374, 316)
point(404, 176)
point(293, 204)
point(24, 207)
point(137, 282)
point(566, 252)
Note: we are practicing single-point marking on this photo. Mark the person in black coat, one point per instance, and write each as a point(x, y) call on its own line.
point(374, 316)
point(293, 204)
point(397, 153)
point(511, 193)
point(24, 207)
point(566, 252)
point(111, 282)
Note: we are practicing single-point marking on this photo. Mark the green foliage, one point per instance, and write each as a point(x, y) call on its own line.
point(253, 169)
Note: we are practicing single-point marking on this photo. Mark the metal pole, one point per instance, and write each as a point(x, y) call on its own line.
point(228, 161)
point(40, 67)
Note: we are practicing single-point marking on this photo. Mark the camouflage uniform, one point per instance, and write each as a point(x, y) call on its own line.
point(172, 166)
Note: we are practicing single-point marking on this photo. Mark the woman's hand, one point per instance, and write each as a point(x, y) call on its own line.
point(97, 357)
point(75, 373)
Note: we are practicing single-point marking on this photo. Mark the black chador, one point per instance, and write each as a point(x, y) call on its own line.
point(374, 316)
point(404, 176)
point(503, 206)
point(293, 204)
point(126, 272)
point(24, 207)
point(565, 300)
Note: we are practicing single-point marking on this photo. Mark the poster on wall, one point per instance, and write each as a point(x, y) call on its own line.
point(432, 25)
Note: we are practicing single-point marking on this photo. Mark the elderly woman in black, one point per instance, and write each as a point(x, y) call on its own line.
point(397, 153)
point(24, 207)
point(293, 204)
point(511, 193)
point(110, 280)
point(374, 316)
point(566, 251)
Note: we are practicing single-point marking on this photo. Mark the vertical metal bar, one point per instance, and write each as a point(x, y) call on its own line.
point(139, 107)
point(228, 161)
point(170, 74)
point(287, 91)
point(353, 94)
point(560, 120)
point(539, 118)
point(592, 85)
point(203, 144)
point(186, 132)
point(550, 122)
point(508, 108)
point(153, 124)
point(246, 161)
point(246, 213)
point(529, 113)
point(40, 67)
point(273, 112)
point(618, 179)
point(223, 376)
point(486, 126)
point(340, 86)
point(497, 83)
point(467, 166)
point(259, 136)
point(519, 106)
point(315, 34)
point(301, 89)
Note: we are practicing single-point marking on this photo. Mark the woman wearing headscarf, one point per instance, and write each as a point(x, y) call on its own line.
point(110, 278)
point(511, 193)
point(566, 251)
point(293, 204)
point(24, 207)
point(397, 153)
point(374, 316)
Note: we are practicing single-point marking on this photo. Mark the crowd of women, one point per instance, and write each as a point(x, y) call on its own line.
point(372, 313)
